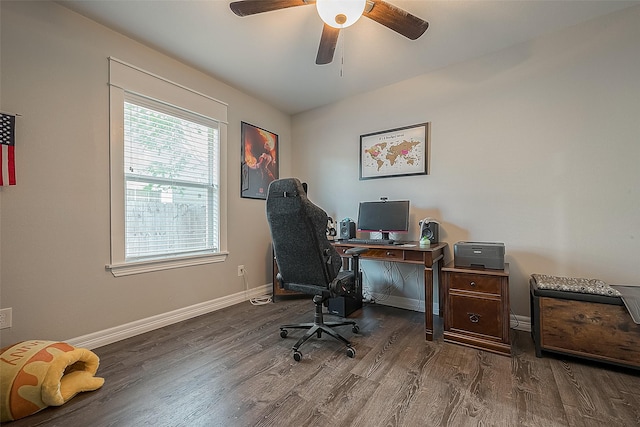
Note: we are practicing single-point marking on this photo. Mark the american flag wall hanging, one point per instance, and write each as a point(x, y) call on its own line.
point(8, 155)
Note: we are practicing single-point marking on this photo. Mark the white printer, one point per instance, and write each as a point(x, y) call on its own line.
point(479, 254)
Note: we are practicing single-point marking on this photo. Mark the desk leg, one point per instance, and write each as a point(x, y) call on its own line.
point(440, 288)
point(428, 303)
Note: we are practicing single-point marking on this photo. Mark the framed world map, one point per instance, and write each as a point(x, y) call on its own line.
point(395, 152)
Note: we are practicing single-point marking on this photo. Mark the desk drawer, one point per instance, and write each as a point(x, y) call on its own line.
point(382, 254)
point(376, 253)
point(476, 315)
point(341, 249)
point(475, 283)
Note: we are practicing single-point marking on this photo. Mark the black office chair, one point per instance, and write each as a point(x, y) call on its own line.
point(306, 260)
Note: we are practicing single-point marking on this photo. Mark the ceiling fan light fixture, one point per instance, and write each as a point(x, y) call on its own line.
point(340, 13)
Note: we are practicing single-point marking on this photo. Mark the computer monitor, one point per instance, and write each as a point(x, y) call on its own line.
point(384, 216)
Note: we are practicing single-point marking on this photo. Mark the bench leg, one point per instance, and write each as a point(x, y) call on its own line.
point(535, 322)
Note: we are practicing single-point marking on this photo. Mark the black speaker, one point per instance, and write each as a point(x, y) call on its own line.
point(429, 229)
point(347, 229)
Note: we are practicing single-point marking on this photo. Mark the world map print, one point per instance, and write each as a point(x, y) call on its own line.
point(398, 152)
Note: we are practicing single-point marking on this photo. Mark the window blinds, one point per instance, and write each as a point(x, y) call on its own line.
point(171, 179)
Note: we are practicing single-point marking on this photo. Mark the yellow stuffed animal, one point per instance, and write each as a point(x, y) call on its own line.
point(36, 374)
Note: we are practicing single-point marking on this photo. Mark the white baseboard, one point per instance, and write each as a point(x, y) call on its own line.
point(128, 330)
point(401, 302)
point(521, 323)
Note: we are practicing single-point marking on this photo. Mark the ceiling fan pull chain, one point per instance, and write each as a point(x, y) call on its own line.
point(342, 54)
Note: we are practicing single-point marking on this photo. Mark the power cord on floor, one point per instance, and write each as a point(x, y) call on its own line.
point(515, 318)
point(266, 299)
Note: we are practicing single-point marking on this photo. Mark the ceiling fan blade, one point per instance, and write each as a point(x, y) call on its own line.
point(400, 21)
point(328, 42)
point(251, 7)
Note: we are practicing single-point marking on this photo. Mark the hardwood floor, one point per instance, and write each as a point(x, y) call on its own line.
point(231, 368)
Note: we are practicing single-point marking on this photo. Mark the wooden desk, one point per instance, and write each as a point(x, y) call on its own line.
point(425, 256)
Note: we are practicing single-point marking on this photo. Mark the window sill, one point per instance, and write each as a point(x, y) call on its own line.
point(139, 267)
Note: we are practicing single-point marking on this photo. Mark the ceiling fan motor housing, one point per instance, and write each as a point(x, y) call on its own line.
point(340, 13)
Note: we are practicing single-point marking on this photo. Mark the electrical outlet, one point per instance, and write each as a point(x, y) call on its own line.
point(5, 318)
point(240, 270)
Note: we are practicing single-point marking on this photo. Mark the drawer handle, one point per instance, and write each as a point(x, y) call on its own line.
point(473, 317)
point(390, 254)
point(472, 284)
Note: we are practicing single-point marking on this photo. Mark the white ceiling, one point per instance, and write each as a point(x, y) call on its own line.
point(272, 55)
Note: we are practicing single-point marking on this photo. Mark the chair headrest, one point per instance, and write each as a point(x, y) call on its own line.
point(286, 187)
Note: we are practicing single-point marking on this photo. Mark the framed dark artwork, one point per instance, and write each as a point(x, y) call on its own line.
point(259, 161)
point(395, 152)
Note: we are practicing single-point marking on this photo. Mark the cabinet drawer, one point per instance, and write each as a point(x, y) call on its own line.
point(475, 283)
point(478, 315)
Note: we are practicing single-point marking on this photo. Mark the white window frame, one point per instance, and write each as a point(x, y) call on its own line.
point(125, 78)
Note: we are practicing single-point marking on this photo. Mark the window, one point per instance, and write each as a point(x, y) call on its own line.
point(171, 180)
point(167, 198)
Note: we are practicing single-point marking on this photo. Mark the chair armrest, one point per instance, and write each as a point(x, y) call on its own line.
point(356, 251)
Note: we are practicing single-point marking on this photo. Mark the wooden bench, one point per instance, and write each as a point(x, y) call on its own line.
point(593, 326)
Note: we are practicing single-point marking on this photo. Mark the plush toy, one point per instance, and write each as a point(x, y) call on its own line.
point(36, 374)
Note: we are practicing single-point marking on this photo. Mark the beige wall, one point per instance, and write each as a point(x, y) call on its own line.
point(55, 222)
point(536, 146)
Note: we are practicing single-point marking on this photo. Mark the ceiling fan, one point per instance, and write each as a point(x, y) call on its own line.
point(338, 14)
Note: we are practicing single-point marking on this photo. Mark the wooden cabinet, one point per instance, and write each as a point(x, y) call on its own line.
point(477, 308)
point(594, 327)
